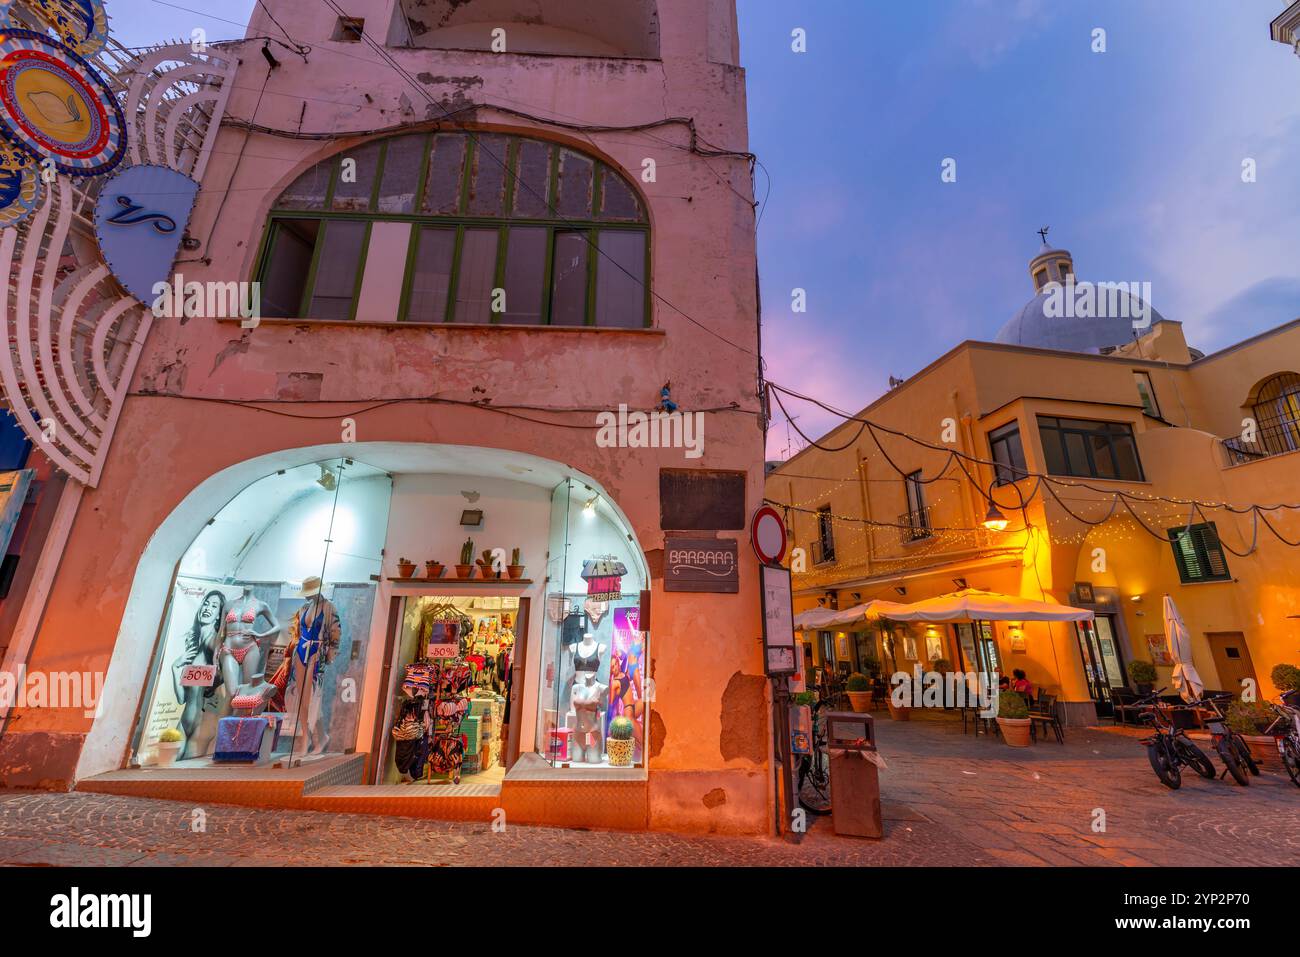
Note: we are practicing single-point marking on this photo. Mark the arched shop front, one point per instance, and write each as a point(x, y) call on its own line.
point(287, 582)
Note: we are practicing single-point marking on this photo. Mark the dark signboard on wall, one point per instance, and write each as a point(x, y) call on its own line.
point(701, 564)
point(701, 500)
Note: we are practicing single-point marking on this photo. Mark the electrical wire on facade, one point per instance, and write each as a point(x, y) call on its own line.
point(1042, 481)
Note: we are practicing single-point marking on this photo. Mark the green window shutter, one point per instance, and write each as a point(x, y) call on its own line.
point(1215, 560)
point(1199, 554)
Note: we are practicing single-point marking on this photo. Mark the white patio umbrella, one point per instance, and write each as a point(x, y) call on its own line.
point(867, 611)
point(973, 604)
point(1186, 681)
point(814, 618)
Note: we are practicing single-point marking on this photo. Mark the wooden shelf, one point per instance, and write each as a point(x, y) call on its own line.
point(415, 580)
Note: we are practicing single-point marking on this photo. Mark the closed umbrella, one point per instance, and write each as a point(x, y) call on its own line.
point(1186, 681)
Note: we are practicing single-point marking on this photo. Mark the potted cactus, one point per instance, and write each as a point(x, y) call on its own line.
point(169, 746)
point(405, 567)
point(485, 563)
point(465, 568)
point(1013, 719)
point(433, 569)
point(619, 743)
point(1143, 676)
point(859, 692)
point(514, 569)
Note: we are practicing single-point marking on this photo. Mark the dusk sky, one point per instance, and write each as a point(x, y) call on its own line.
point(1133, 157)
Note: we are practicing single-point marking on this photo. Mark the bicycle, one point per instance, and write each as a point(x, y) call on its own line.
point(814, 781)
point(1286, 733)
point(1231, 747)
point(1169, 749)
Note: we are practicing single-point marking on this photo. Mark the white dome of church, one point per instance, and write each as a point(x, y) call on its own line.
point(1073, 315)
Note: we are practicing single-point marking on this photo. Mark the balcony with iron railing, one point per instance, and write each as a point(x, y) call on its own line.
point(823, 552)
point(915, 526)
point(1267, 441)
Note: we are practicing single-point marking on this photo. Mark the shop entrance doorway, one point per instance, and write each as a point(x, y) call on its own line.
point(1103, 662)
point(454, 672)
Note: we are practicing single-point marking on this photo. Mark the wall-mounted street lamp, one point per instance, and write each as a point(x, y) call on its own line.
point(994, 520)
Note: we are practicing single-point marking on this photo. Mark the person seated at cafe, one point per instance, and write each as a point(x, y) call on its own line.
point(1021, 683)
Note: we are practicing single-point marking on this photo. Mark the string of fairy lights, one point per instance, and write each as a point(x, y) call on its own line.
point(1126, 514)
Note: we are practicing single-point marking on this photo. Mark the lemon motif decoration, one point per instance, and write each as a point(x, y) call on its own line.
point(54, 104)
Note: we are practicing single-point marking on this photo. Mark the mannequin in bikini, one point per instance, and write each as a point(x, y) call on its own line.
point(314, 635)
point(241, 654)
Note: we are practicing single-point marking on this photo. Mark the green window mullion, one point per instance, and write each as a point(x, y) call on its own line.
point(421, 183)
point(553, 186)
point(361, 272)
point(499, 279)
point(379, 174)
point(408, 276)
point(467, 170)
point(593, 253)
point(262, 261)
point(309, 286)
point(597, 191)
point(548, 280)
point(649, 301)
point(454, 280)
point(512, 174)
point(329, 190)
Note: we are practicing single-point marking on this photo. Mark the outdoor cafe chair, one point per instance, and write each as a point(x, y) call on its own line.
point(1044, 712)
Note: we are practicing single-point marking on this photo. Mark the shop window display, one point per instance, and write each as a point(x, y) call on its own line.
point(261, 651)
point(595, 655)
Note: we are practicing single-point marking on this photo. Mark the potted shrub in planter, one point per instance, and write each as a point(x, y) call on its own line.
point(859, 692)
point(619, 743)
point(1013, 719)
point(169, 746)
point(1286, 677)
point(465, 568)
point(433, 569)
point(898, 712)
point(1143, 676)
point(514, 569)
point(1251, 719)
point(405, 567)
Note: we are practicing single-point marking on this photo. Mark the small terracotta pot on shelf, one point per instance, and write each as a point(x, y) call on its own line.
point(464, 571)
point(433, 569)
point(515, 571)
point(406, 569)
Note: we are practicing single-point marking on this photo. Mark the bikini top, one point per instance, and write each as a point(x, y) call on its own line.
point(588, 663)
point(249, 616)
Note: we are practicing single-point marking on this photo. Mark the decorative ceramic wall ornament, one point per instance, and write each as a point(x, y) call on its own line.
point(20, 186)
point(140, 219)
point(81, 24)
point(54, 104)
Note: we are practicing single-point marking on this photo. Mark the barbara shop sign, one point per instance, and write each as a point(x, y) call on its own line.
point(701, 565)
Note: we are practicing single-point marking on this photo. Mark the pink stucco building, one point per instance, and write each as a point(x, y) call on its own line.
point(476, 224)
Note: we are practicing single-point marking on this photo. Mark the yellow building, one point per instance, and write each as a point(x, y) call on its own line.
point(1090, 436)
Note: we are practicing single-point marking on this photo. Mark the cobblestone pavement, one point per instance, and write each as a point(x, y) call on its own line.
point(949, 800)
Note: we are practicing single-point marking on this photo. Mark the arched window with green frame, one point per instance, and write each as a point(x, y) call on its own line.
point(496, 228)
